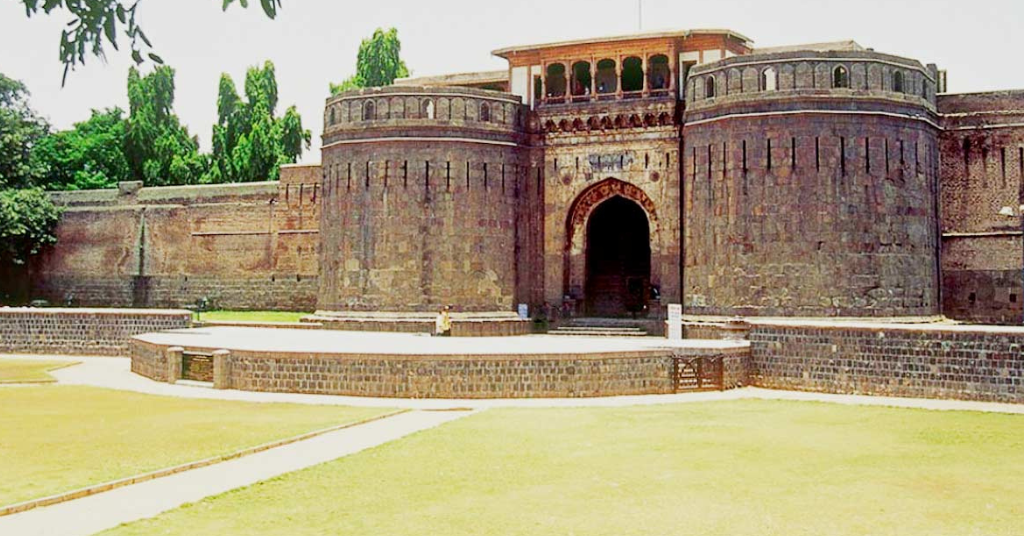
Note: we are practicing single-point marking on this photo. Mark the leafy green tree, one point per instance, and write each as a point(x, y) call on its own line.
point(158, 148)
point(88, 156)
point(93, 21)
point(27, 221)
point(249, 141)
point(20, 130)
point(378, 64)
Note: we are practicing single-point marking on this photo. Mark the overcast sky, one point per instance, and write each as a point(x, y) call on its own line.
point(314, 42)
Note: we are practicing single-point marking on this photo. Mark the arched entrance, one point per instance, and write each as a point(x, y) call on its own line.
point(618, 259)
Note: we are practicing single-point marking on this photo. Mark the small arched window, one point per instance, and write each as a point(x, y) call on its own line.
point(840, 77)
point(897, 82)
point(369, 112)
point(709, 87)
point(769, 79)
point(331, 119)
point(485, 112)
point(428, 109)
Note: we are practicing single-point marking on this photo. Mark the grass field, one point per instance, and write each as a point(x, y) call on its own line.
point(726, 468)
point(29, 370)
point(59, 438)
point(254, 316)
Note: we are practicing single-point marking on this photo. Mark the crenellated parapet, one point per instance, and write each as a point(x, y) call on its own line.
point(401, 111)
point(823, 80)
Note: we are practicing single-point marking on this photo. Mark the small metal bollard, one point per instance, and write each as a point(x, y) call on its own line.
point(174, 355)
point(221, 364)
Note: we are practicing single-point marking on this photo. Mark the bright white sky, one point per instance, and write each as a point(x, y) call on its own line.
point(314, 42)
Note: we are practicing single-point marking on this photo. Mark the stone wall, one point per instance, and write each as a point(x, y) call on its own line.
point(81, 331)
point(809, 200)
point(925, 361)
point(982, 169)
point(242, 246)
point(422, 199)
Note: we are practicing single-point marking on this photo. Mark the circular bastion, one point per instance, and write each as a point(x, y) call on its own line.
point(811, 186)
point(420, 205)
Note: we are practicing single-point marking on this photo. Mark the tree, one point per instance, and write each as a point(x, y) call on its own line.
point(20, 130)
point(88, 156)
point(158, 148)
point(378, 64)
point(27, 222)
point(249, 141)
point(93, 21)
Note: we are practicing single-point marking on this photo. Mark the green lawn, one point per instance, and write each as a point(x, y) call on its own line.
point(59, 438)
point(254, 316)
point(727, 468)
point(29, 370)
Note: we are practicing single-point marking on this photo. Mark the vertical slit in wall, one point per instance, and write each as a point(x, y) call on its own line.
point(503, 178)
point(769, 154)
point(842, 156)
point(917, 157)
point(725, 159)
point(668, 160)
point(867, 155)
point(744, 169)
point(405, 174)
point(367, 179)
point(792, 152)
point(349, 176)
point(577, 163)
point(426, 177)
point(539, 179)
point(467, 175)
point(448, 175)
point(386, 166)
point(711, 186)
point(817, 153)
point(1003, 165)
point(903, 157)
point(485, 175)
point(709, 164)
point(647, 161)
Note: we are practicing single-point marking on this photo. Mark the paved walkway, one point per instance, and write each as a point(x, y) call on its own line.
point(93, 514)
point(115, 373)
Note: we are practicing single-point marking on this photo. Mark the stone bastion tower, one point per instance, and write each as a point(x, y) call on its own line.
point(423, 193)
point(811, 185)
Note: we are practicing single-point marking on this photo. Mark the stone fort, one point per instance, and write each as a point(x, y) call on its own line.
point(601, 177)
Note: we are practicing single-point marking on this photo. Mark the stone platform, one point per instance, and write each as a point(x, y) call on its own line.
point(480, 324)
point(402, 365)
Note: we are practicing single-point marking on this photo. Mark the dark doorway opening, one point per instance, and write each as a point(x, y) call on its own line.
point(618, 277)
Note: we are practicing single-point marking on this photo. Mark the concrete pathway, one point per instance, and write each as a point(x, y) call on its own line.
point(115, 373)
point(93, 514)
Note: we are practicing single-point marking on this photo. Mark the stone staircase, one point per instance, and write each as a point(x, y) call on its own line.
point(600, 327)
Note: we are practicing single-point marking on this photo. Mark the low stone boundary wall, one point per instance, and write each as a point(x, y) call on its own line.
point(980, 363)
point(81, 331)
point(465, 376)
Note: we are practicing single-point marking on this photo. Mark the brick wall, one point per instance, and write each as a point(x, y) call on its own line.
point(982, 172)
point(467, 376)
point(926, 361)
point(243, 246)
point(81, 331)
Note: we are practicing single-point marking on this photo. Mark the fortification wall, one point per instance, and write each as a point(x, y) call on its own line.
point(982, 147)
point(243, 246)
point(421, 200)
point(805, 199)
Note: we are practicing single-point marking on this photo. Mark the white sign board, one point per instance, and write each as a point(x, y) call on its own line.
point(524, 311)
point(675, 321)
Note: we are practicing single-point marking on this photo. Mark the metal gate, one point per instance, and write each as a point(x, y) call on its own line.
point(700, 373)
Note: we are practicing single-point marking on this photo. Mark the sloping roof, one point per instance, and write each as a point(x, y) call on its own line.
point(841, 46)
point(456, 79)
point(505, 52)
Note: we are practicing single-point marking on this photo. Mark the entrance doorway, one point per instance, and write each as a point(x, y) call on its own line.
point(618, 273)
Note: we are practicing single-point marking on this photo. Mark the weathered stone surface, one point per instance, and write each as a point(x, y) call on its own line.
point(81, 331)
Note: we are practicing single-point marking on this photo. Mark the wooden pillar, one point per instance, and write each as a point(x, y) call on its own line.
point(568, 81)
point(543, 97)
point(647, 85)
point(593, 78)
point(618, 77)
